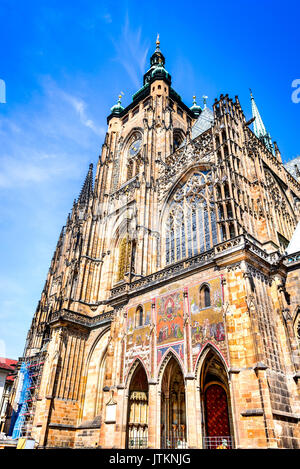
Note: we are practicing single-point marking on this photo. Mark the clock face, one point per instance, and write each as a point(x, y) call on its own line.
point(135, 146)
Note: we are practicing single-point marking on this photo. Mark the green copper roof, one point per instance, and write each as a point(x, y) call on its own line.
point(117, 108)
point(195, 108)
point(134, 96)
point(258, 126)
point(159, 69)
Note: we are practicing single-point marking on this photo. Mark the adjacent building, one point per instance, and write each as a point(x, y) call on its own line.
point(7, 376)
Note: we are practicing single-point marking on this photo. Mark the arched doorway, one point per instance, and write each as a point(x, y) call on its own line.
point(137, 426)
point(218, 428)
point(173, 410)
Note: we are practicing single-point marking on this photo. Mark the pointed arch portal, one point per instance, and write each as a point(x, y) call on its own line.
point(216, 404)
point(137, 420)
point(173, 408)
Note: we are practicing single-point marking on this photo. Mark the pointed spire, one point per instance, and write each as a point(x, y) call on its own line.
point(87, 188)
point(258, 126)
point(157, 59)
point(157, 66)
point(157, 42)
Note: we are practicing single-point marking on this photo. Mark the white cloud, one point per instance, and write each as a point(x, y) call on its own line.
point(47, 140)
point(131, 51)
point(80, 107)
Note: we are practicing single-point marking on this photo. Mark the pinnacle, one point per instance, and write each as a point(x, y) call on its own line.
point(87, 188)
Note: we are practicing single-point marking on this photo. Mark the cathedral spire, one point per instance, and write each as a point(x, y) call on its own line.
point(258, 126)
point(157, 59)
point(87, 188)
point(157, 66)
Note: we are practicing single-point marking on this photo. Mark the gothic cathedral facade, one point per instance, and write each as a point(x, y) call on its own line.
point(170, 313)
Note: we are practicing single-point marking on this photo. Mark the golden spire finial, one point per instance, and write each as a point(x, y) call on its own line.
point(157, 41)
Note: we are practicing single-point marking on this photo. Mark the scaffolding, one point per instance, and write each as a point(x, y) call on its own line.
point(30, 379)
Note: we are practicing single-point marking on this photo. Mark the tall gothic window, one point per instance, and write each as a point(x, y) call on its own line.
point(134, 150)
point(125, 250)
point(191, 221)
point(139, 316)
point(205, 296)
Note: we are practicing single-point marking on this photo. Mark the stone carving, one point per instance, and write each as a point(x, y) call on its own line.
point(197, 151)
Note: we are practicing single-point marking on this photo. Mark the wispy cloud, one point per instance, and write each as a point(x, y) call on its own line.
point(47, 140)
point(131, 51)
point(46, 146)
point(80, 107)
point(107, 18)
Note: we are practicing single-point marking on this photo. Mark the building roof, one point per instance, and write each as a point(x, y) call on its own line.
point(293, 166)
point(8, 364)
point(203, 123)
point(294, 245)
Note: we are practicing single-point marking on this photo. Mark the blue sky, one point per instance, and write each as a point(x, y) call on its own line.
point(64, 64)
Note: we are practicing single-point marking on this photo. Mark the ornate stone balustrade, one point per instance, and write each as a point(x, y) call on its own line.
point(126, 189)
point(291, 258)
point(177, 269)
point(81, 319)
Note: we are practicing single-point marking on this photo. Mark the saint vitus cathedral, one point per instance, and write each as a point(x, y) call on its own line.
point(170, 313)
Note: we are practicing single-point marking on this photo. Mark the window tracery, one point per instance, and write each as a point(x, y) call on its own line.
point(134, 149)
point(191, 220)
point(278, 207)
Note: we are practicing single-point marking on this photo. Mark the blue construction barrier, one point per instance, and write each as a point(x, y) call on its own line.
point(22, 400)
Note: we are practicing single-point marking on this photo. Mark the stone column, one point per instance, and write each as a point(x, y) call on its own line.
point(121, 418)
point(153, 420)
point(190, 385)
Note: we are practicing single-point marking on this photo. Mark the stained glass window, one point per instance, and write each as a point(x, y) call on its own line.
point(191, 220)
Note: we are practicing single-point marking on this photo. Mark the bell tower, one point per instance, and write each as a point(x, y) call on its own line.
point(139, 138)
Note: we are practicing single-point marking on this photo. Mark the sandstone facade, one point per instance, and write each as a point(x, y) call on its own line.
point(169, 317)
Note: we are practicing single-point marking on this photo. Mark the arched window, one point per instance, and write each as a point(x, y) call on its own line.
point(191, 226)
point(229, 210)
point(134, 150)
point(125, 250)
point(178, 138)
point(139, 316)
point(205, 296)
point(231, 230)
point(226, 191)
